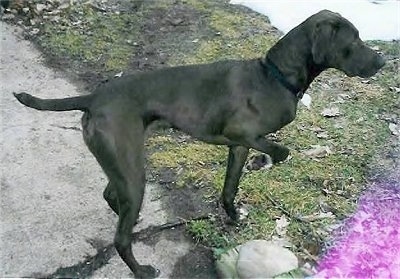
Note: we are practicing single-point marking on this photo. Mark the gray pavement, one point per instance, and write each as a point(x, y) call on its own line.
point(53, 218)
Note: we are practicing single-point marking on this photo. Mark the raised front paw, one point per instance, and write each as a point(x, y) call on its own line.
point(280, 154)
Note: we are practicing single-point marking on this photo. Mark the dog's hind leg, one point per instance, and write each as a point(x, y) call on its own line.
point(110, 195)
point(118, 145)
point(236, 159)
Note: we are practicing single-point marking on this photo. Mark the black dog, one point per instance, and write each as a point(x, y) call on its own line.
point(233, 103)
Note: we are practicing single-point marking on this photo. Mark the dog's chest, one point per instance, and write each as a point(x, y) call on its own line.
point(273, 115)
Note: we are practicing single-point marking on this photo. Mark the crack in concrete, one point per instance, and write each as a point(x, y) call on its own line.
point(84, 268)
point(68, 128)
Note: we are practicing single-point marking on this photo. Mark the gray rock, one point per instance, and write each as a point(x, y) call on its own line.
point(264, 259)
point(226, 264)
point(7, 16)
point(40, 7)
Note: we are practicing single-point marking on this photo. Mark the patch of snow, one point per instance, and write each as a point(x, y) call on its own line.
point(375, 19)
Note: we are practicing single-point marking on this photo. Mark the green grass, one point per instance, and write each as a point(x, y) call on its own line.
point(219, 49)
point(207, 231)
point(95, 38)
point(237, 35)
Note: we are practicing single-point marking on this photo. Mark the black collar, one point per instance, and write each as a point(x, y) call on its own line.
point(270, 67)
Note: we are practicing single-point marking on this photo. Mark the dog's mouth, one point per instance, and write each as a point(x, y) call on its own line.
point(377, 64)
point(366, 71)
point(367, 74)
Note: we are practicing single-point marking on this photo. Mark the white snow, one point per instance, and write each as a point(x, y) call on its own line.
point(375, 19)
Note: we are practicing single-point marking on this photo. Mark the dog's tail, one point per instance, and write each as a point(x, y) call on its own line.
point(73, 103)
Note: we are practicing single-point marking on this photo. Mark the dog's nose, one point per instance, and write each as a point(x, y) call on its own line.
point(380, 62)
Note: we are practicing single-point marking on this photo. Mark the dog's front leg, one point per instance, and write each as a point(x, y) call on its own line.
point(277, 152)
point(248, 136)
point(236, 159)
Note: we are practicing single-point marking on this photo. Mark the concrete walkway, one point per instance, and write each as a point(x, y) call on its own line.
point(54, 221)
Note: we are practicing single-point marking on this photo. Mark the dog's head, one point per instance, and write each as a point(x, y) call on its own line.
point(336, 44)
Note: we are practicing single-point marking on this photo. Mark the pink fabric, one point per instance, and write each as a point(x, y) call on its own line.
point(369, 245)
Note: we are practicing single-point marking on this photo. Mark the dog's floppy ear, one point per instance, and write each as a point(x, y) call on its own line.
point(321, 41)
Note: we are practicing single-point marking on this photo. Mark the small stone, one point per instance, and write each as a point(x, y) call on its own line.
point(281, 226)
point(34, 31)
point(8, 16)
point(118, 75)
point(56, 18)
point(54, 12)
point(331, 112)
point(64, 6)
point(359, 120)
point(394, 89)
point(318, 151)
point(175, 21)
point(243, 213)
point(306, 100)
point(322, 135)
point(395, 129)
point(40, 7)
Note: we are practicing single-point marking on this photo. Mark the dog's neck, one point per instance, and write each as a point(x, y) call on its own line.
point(297, 77)
point(299, 69)
point(270, 68)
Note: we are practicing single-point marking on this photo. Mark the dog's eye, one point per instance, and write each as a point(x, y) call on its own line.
point(346, 52)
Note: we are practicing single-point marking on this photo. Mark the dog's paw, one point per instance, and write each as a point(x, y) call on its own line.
point(233, 215)
point(230, 210)
point(147, 272)
point(280, 154)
